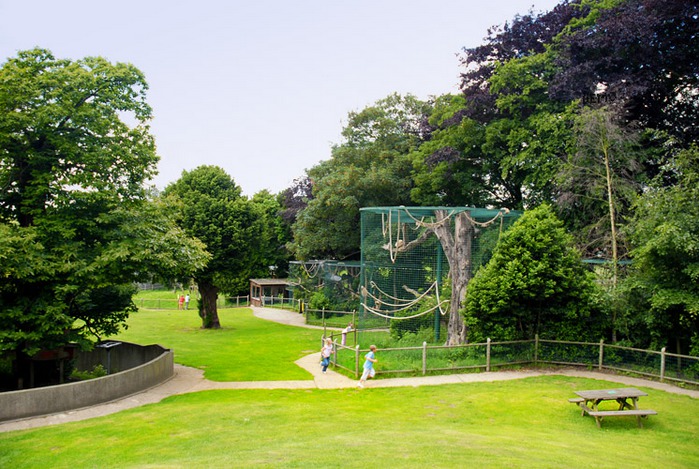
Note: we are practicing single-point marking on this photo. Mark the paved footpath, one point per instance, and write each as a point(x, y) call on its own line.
point(186, 380)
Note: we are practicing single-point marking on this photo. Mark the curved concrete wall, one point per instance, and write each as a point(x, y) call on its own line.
point(63, 397)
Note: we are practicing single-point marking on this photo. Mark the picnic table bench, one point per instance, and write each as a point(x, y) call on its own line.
point(626, 397)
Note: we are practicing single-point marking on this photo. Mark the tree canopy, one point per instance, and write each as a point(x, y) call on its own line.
point(664, 281)
point(211, 207)
point(533, 284)
point(77, 225)
point(584, 107)
point(369, 169)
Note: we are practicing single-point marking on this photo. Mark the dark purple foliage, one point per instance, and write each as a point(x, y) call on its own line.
point(443, 155)
point(645, 53)
point(295, 198)
point(527, 35)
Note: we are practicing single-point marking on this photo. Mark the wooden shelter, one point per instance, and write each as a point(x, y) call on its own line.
point(261, 288)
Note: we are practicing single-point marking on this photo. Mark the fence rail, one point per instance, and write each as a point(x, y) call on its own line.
point(279, 302)
point(173, 304)
point(488, 355)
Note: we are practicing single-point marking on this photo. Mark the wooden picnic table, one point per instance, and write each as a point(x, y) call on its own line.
point(627, 398)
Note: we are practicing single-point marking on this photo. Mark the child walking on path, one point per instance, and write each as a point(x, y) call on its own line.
point(325, 352)
point(369, 360)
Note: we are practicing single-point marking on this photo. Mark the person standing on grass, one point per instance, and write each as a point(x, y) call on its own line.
point(180, 302)
point(325, 352)
point(369, 371)
point(186, 301)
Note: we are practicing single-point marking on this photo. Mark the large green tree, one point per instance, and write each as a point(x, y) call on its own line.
point(212, 208)
point(533, 284)
point(370, 168)
point(77, 227)
point(274, 257)
point(664, 281)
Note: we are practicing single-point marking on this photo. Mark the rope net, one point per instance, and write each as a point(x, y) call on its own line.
point(404, 284)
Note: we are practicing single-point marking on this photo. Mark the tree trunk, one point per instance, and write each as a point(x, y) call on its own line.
point(207, 306)
point(612, 224)
point(457, 249)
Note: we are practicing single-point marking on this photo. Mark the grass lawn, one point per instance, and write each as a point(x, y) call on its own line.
point(244, 349)
point(520, 423)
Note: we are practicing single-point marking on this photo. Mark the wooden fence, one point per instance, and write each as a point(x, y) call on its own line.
point(435, 359)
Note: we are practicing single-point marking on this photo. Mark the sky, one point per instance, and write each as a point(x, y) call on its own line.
point(262, 88)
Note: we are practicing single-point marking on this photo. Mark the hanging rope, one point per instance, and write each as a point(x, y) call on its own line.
point(483, 224)
point(399, 306)
point(378, 313)
point(398, 243)
point(403, 300)
point(403, 303)
point(315, 267)
point(422, 223)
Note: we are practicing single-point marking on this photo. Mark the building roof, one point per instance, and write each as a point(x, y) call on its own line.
point(270, 281)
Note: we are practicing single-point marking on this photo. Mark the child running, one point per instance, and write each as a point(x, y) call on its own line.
point(325, 352)
point(369, 360)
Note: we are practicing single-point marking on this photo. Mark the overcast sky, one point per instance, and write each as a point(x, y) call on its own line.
point(262, 88)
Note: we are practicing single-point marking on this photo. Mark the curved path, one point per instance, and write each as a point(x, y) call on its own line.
point(187, 380)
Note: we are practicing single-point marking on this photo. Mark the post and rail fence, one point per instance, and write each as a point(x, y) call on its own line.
point(661, 365)
point(173, 304)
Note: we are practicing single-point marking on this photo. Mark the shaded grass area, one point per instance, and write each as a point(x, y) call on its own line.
point(520, 423)
point(244, 349)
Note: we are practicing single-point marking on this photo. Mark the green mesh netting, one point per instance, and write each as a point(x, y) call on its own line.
point(326, 283)
point(403, 284)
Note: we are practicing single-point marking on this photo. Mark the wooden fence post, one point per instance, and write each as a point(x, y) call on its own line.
point(356, 361)
point(325, 333)
point(662, 364)
point(424, 358)
point(487, 355)
point(354, 324)
point(334, 355)
point(536, 349)
point(601, 354)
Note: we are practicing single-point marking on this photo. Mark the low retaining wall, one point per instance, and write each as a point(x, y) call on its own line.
point(63, 397)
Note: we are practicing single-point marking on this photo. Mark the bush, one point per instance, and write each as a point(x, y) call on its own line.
point(96, 372)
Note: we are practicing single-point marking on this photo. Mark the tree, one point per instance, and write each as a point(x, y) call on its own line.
point(502, 142)
point(212, 209)
point(533, 284)
point(77, 226)
point(274, 257)
point(664, 280)
point(371, 168)
point(598, 184)
point(450, 169)
point(639, 56)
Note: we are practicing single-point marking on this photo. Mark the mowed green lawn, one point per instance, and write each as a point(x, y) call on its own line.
point(520, 423)
point(244, 349)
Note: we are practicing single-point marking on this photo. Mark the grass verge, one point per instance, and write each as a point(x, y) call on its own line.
point(520, 423)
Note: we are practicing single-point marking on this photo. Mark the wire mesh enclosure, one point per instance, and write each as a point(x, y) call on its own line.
point(405, 268)
point(337, 282)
